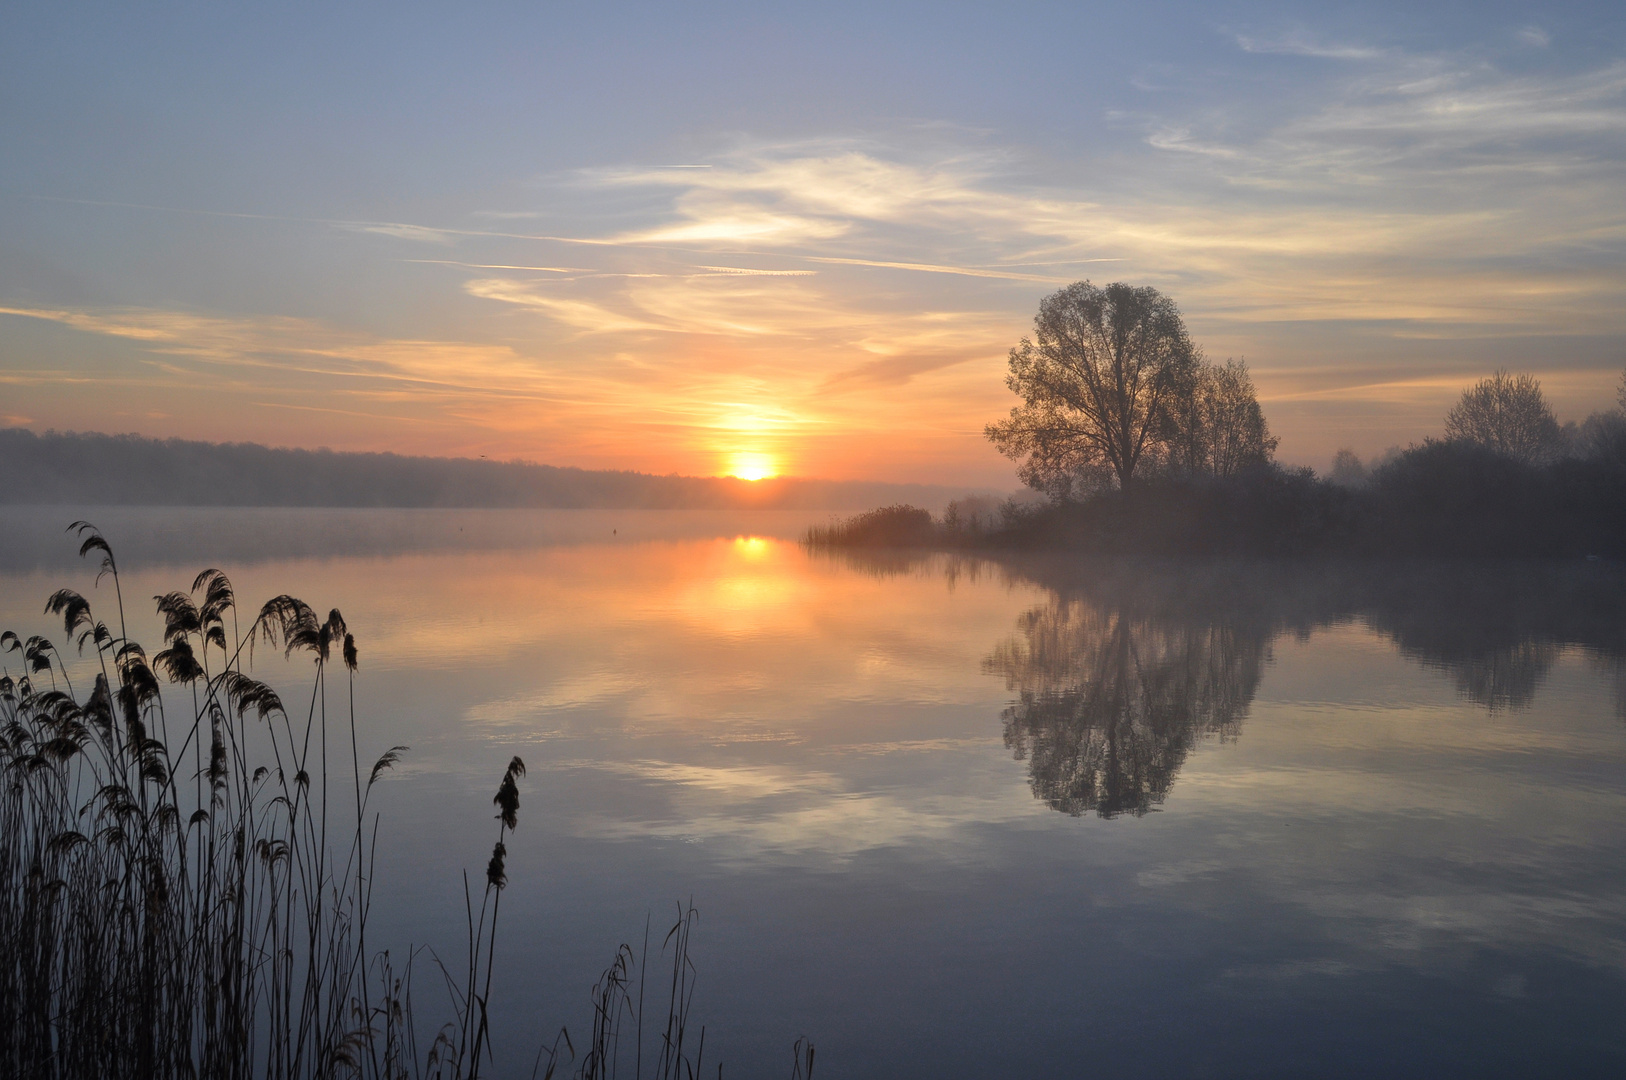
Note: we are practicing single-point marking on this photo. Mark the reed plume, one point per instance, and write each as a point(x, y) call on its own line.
point(173, 904)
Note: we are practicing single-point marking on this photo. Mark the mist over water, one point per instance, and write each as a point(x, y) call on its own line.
point(34, 537)
point(952, 817)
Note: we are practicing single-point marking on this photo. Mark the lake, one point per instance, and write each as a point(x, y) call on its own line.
point(949, 816)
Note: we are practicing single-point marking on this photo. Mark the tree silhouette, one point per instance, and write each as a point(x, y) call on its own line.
point(1214, 426)
point(1508, 414)
point(1095, 384)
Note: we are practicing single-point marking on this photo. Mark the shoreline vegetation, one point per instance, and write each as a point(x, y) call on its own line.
point(1143, 446)
point(187, 876)
point(1437, 499)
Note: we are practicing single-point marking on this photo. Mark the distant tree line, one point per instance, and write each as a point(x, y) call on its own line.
point(1143, 446)
point(1508, 415)
point(128, 470)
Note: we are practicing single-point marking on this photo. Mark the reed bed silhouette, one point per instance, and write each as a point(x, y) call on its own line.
point(186, 880)
point(889, 526)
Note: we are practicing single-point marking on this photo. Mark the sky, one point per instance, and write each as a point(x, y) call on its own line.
point(799, 239)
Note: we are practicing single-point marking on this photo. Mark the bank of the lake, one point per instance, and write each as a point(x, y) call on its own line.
point(1439, 499)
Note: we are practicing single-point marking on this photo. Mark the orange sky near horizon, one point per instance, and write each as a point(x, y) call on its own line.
point(659, 360)
point(1373, 222)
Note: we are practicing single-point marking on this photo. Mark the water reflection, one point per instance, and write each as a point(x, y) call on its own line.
point(1128, 665)
point(1496, 629)
point(32, 540)
point(815, 755)
point(1109, 703)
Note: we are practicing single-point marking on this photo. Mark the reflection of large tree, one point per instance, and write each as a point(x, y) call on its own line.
point(1108, 703)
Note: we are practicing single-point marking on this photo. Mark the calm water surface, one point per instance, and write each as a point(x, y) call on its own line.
point(953, 818)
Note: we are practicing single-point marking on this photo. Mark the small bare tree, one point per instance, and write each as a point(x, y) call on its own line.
point(1602, 436)
point(1214, 426)
point(1347, 470)
point(1506, 413)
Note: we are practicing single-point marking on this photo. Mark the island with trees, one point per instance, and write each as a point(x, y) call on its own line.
point(1138, 444)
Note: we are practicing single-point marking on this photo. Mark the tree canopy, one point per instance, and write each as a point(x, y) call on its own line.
point(1113, 388)
point(1508, 414)
point(1214, 426)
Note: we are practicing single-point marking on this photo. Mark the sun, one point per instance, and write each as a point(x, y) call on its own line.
point(753, 466)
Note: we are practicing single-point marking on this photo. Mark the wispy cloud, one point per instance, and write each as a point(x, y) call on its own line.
point(418, 233)
point(502, 266)
point(891, 370)
point(721, 222)
point(307, 347)
point(1303, 44)
point(745, 272)
point(832, 178)
point(581, 315)
point(963, 271)
point(1471, 105)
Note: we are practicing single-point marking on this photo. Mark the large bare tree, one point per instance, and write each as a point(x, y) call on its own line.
point(1506, 413)
point(1095, 383)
